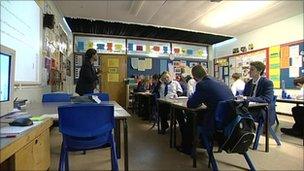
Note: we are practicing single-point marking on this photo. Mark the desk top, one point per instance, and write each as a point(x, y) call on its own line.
point(9, 146)
point(296, 101)
point(182, 103)
point(51, 108)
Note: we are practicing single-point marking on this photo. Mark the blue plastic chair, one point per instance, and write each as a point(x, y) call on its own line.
point(86, 127)
point(206, 134)
point(56, 97)
point(101, 96)
point(259, 130)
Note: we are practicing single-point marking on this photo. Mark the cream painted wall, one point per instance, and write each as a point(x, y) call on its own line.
point(277, 33)
point(34, 92)
point(281, 32)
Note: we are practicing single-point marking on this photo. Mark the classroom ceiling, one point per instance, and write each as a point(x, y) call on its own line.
point(187, 15)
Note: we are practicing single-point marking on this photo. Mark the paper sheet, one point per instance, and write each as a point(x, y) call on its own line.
point(141, 65)
point(134, 63)
point(16, 129)
point(114, 63)
point(113, 77)
point(293, 71)
point(148, 63)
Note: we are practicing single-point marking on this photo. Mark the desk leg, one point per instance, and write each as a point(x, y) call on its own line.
point(126, 150)
point(174, 128)
point(267, 130)
point(194, 155)
point(117, 138)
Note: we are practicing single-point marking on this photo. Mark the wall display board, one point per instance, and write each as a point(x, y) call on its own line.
point(189, 51)
point(274, 65)
point(240, 63)
point(221, 69)
point(291, 62)
point(148, 48)
point(101, 44)
point(78, 62)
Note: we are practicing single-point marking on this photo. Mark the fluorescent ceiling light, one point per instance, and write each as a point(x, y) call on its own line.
point(233, 11)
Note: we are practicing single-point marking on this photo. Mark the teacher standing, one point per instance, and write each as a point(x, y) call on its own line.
point(88, 77)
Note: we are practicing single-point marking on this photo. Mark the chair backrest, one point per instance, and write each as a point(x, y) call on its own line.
point(86, 120)
point(223, 109)
point(56, 97)
point(102, 96)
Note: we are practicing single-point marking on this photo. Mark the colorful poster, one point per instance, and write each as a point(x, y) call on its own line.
point(130, 46)
point(80, 46)
point(118, 47)
point(165, 48)
point(100, 46)
point(109, 47)
point(176, 50)
point(284, 57)
point(90, 45)
point(274, 65)
point(296, 60)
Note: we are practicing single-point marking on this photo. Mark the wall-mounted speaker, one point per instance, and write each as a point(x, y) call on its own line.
point(48, 21)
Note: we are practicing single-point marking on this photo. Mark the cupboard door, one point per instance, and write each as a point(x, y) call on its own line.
point(36, 155)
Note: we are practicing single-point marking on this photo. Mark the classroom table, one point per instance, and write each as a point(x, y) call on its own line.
point(143, 101)
point(295, 101)
point(181, 103)
point(120, 114)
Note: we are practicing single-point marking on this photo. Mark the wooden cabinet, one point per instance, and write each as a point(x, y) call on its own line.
point(29, 151)
point(36, 155)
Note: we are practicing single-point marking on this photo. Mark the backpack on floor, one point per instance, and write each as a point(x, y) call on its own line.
point(238, 129)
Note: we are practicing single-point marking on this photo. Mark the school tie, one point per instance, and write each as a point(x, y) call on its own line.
point(252, 90)
point(166, 89)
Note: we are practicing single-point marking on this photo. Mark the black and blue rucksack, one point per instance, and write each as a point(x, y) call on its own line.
point(236, 126)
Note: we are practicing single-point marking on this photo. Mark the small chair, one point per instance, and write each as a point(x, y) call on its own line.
point(101, 96)
point(56, 97)
point(272, 112)
point(86, 127)
point(206, 134)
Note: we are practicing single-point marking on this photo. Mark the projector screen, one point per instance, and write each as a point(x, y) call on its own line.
point(20, 30)
point(4, 77)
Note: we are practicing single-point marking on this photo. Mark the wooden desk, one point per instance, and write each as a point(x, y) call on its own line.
point(181, 103)
point(29, 150)
point(120, 114)
point(295, 101)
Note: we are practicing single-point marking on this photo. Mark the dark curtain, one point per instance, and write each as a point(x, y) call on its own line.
point(140, 31)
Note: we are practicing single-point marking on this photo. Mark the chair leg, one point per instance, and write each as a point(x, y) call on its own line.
point(67, 161)
point(209, 148)
point(248, 160)
point(258, 134)
point(277, 120)
point(114, 163)
point(62, 162)
point(273, 134)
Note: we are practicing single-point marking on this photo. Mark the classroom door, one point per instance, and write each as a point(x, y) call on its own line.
point(113, 72)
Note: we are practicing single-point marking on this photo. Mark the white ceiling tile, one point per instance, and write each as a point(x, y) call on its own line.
point(179, 14)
